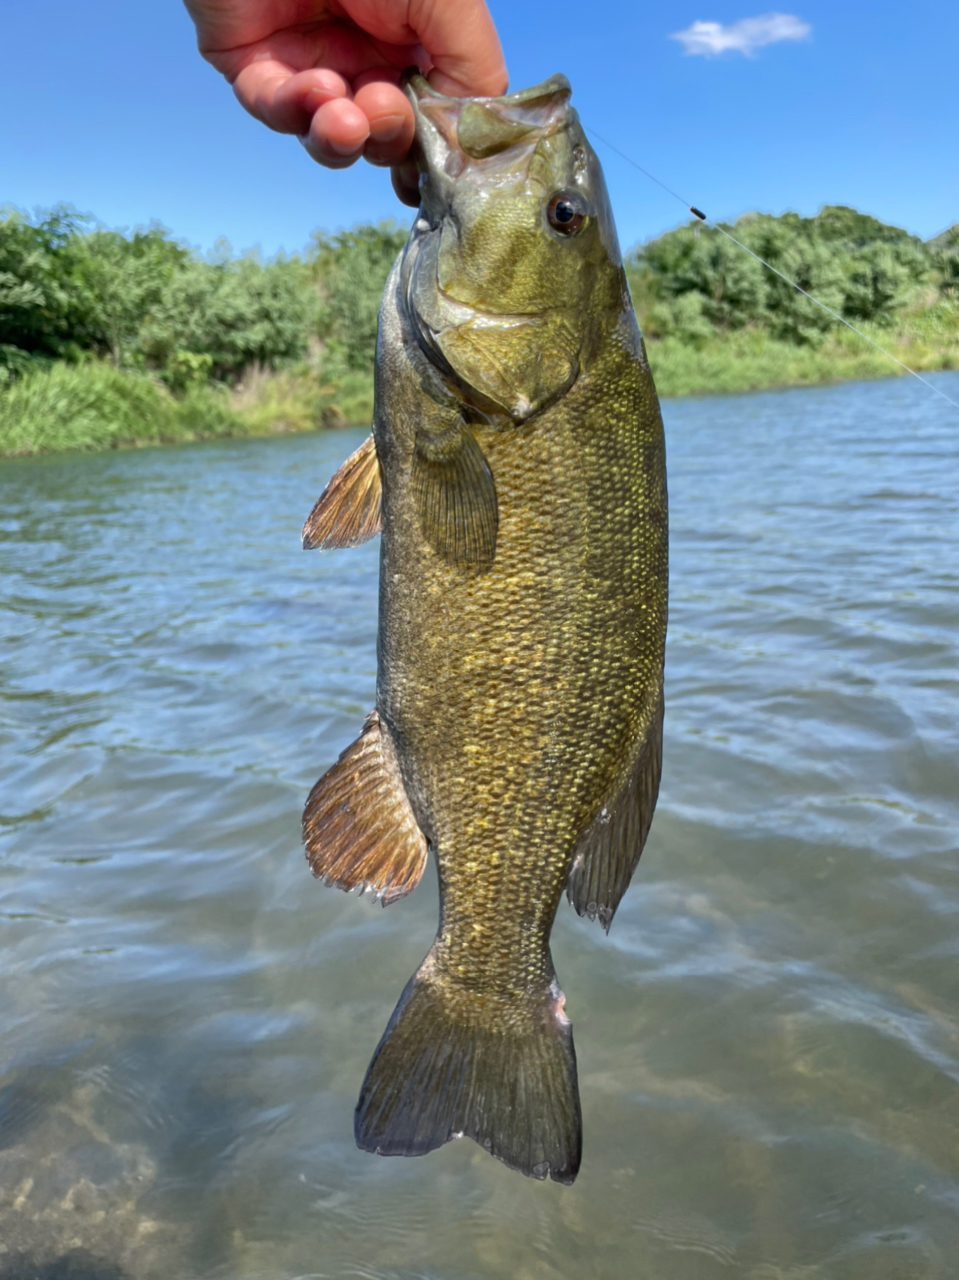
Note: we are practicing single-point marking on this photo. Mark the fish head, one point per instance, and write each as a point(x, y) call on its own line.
point(512, 272)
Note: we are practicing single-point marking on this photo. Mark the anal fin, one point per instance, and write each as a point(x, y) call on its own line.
point(610, 847)
point(358, 827)
point(347, 512)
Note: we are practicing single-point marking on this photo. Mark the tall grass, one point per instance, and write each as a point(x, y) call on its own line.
point(301, 399)
point(750, 360)
point(94, 406)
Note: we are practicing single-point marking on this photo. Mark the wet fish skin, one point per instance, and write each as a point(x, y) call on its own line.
point(523, 600)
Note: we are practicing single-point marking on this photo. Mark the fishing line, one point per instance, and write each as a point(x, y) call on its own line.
point(698, 213)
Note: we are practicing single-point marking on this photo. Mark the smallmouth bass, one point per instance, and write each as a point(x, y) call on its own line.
point(517, 472)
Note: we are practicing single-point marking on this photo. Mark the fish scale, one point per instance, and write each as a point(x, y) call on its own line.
point(517, 472)
point(569, 679)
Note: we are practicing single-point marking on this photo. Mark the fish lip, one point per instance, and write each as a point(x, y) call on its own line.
point(521, 119)
point(417, 88)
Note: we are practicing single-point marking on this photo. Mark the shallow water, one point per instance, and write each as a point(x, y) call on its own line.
point(768, 1040)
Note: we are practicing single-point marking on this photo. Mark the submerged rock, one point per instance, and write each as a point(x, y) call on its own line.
point(71, 1202)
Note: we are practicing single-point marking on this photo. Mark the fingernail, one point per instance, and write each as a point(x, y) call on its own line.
point(326, 154)
point(342, 148)
point(386, 128)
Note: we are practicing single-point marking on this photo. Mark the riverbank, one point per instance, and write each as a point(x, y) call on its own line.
point(93, 406)
point(752, 360)
point(112, 339)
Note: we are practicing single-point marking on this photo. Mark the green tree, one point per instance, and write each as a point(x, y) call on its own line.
point(789, 245)
point(222, 316)
point(125, 277)
point(945, 250)
point(728, 285)
point(350, 268)
point(46, 310)
point(694, 277)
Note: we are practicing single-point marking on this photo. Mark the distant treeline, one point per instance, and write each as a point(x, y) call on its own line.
point(225, 343)
point(71, 290)
point(694, 283)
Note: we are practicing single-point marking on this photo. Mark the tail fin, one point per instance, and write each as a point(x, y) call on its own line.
point(451, 1063)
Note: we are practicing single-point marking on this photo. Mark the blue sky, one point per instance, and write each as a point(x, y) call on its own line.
point(107, 106)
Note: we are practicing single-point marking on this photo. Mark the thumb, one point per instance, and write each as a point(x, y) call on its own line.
point(463, 47)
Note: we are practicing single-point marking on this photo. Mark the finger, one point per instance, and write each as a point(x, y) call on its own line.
point(405, 181)
point(337, 134)
point(391, 121)
point(298, 99)
point(460, 39)
point(463, 46)
point(285, 101)
point(376, 75)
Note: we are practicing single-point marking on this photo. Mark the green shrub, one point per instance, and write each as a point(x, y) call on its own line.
point(695, 276)
point(217, 319)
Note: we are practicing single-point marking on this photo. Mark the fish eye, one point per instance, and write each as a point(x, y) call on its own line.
point(567, 212)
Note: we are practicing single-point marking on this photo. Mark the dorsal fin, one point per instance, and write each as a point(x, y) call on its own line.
point(348, 510)
point(609, 848)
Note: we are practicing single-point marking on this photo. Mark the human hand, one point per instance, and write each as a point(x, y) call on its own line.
point(328, 70)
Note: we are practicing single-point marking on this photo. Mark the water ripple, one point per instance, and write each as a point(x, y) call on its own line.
point(768, 1040)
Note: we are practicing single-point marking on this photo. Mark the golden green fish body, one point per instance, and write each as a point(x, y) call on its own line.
point(517, 469)
point(516, 697)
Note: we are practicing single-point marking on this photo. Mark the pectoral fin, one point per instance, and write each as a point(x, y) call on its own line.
point(609, 848)
point(358, 827)
point(455, 497)
point(348, 510)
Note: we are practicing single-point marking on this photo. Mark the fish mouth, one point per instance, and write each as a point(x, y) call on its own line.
point(453, 133)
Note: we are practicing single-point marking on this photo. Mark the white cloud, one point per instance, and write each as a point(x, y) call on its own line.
point(746, 36)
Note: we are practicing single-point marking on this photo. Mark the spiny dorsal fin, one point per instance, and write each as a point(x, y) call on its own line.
point(455, 496)
point(358, 826)
point(609, 849)
point(348, 510)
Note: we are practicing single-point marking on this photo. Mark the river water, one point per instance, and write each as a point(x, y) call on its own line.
point(768, 1040)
